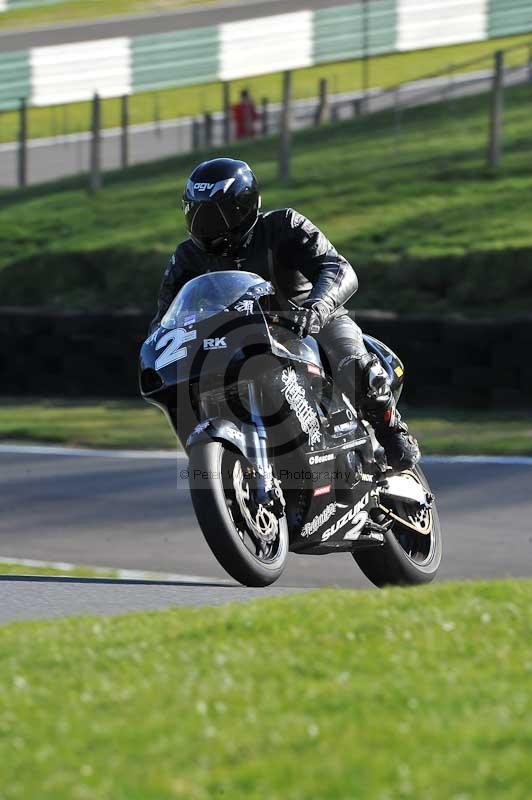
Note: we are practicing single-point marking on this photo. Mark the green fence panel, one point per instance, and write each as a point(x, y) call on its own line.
point(506, 17)
point(175, 59)
point(13, 4)
point(339, 31)
point(15, 78)
point(382, 26)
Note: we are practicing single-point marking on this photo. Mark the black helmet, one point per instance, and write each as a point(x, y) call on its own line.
point(221, 205)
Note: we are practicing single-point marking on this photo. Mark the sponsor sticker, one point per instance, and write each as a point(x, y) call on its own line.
point(348, 517)
point(237, 436)
point(297, 400)
point(245, 307)
point(321, 459)
point(315, 524)
point(215, 344)
point(213, 188)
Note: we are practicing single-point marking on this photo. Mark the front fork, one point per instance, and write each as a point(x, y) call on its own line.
point(269, 492)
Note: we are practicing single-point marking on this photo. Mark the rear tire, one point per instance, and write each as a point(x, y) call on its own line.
point(392, 565)
point(209, 466)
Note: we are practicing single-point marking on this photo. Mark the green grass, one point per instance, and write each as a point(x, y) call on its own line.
point(80, 10)
point(334, 695)
point(133, 425)
point(426, 225)
point(74, 571)
point(107, 424)
point(385, 71)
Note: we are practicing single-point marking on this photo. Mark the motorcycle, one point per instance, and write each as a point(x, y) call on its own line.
point(279, 459)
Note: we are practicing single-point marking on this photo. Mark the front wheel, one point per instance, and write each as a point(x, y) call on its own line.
point(247, 539)
point(411, 554)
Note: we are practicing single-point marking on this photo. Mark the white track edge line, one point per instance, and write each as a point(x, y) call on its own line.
point(167, 455)
point(49, 450)
point(102, 572)
point(496, 460)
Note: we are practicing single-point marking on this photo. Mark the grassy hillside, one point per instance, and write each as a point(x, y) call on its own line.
point(333, 694)
point(414, 208)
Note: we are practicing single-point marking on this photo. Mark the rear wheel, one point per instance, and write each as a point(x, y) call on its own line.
point(247, 539)
point(412, 551)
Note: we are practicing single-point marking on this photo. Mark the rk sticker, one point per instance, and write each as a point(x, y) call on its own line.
point(214, 344)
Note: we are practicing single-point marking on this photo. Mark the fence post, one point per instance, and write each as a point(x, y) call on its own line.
point(22, 145)
point(397, 118)
point(265, 116)
point(227, 111)
point(196, 134)
point(208, 125)
point(365, 46)
point(95, 177)
point(322, 112)
point(285, 148)
point(157, 114)
point(124, 141)
point(497, 102)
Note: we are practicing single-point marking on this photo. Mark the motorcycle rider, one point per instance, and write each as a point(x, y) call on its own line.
point(222, 204)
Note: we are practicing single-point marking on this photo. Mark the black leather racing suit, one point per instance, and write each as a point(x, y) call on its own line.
point(287, 249)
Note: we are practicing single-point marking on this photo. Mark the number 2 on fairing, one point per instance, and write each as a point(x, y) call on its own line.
point(173, 341)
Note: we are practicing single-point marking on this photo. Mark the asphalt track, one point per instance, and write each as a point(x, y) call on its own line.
point(135, 512)
point(184, 19)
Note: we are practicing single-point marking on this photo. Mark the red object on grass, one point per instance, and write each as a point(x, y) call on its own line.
point(245, 115)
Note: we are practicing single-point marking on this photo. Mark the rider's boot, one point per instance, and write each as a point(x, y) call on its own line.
point(401, 448)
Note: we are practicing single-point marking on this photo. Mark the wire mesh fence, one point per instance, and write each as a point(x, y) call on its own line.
point(464, 106)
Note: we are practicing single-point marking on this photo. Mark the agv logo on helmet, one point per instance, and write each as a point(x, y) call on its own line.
point(214, 188)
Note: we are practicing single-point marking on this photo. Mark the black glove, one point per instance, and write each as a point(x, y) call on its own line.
point(308, 319)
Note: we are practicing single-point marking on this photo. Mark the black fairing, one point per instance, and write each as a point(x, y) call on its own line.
point(307, 429)
point(390, 361)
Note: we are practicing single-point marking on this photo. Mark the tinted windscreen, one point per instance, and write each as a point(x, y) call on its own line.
point(211, 294)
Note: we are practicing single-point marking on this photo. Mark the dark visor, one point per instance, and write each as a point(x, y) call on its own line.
point(209, 220)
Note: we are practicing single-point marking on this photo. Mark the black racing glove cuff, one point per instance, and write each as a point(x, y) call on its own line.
point(308, 322)
point(319, 308)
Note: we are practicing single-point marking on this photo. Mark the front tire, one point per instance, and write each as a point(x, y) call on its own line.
point(246, 556)
point(406, 558)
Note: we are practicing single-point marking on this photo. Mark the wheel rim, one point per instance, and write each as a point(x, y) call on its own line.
point(258, 528)
point(418, 545)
